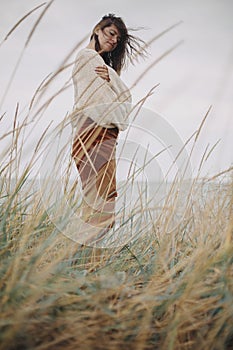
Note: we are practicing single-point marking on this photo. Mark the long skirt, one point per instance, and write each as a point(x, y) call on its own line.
point(94, 151)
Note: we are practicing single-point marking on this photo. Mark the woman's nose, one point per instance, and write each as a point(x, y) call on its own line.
point(114, 39)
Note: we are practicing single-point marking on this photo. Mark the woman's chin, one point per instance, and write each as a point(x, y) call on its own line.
point(107, 48)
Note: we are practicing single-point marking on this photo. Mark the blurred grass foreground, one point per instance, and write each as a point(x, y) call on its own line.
point(169, 288)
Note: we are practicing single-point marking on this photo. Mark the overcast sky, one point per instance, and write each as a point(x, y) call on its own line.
point(199, 73)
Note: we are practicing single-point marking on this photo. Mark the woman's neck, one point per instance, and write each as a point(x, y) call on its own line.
point(91, 45)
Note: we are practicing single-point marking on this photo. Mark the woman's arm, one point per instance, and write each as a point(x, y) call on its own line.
point(92, 90)
point(102, 72)
point(88, 82)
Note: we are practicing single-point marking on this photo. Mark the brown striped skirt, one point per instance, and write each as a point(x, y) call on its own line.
point(94, 150)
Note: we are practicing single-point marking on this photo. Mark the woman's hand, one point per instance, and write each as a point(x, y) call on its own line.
point(102, 72)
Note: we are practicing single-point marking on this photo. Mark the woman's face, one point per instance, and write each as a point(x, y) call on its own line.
point(108, 38)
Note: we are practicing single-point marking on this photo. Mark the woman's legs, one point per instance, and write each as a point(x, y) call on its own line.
point(94, 155)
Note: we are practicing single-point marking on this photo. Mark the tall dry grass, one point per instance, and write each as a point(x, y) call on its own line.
point(171, 288)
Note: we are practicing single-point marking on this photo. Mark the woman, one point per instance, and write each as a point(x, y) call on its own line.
point(101, 110)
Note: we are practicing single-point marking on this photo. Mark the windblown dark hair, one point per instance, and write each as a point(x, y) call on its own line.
point(128, 46)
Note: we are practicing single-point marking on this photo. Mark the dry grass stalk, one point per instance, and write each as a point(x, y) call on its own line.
point(172, 288)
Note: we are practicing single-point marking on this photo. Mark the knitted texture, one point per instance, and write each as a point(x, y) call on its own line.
point(108, 104)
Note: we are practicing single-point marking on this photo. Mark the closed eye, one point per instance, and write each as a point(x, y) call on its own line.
point(118, 38)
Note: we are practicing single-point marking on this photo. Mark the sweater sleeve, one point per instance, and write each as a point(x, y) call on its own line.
point(96, 97)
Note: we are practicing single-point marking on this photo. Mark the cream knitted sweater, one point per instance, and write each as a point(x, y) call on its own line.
point(107, 103)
